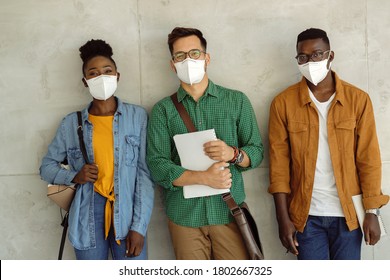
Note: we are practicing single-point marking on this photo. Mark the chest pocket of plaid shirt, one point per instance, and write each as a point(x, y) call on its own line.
point(345, 131)
point(298, 134)
point(132, 150)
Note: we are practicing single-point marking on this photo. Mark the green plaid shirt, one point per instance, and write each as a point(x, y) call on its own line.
point(231, 114)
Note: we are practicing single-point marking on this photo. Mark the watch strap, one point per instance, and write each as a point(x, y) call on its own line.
point(374, 211)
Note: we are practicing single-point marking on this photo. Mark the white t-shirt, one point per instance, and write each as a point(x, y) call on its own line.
point(325, 200)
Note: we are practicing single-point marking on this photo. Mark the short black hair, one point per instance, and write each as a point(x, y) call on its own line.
point(313, 33)
point(181, 32)
point(94, 48)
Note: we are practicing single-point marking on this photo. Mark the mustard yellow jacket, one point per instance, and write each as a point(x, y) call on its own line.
point(293, 139)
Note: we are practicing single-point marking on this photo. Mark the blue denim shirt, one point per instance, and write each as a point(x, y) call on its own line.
point(133, 186)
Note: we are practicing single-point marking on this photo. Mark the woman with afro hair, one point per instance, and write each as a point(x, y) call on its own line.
point(113, 202)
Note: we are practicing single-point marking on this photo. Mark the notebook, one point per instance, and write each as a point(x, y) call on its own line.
point(358, 203)
point(192, 157)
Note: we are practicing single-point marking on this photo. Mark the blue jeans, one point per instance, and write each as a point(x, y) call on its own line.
point(328, 238)
point(103, 246)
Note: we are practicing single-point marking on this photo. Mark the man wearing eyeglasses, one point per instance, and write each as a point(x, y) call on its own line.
point(323, 150)
point(202, 227)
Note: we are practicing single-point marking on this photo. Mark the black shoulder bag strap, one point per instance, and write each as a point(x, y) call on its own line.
point(84, 152)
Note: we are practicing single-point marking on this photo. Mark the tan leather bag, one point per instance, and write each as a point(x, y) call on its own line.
point(62, 195)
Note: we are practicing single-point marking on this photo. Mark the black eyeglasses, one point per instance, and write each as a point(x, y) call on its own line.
point(180, 56)
point(315, 56)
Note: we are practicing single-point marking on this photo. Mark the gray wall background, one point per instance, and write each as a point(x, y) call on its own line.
point(252, 48)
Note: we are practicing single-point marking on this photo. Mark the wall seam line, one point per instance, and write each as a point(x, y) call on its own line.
point(366, 43)
point(139, 56)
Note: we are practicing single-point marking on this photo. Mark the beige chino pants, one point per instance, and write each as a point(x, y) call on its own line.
point(217, 242)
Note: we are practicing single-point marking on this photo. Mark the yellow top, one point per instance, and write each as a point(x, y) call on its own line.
point(103, 149)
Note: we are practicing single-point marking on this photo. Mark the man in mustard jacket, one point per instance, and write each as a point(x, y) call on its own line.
point(323, 150)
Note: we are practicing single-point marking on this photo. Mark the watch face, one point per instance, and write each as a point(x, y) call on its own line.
point(240, 157)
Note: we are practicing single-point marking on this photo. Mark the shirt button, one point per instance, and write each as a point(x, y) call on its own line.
point(117, 149)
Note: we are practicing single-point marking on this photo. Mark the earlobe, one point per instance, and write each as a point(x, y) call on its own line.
point(173, 66)
point(207, 59)
point(331, 57)
point(117, 76)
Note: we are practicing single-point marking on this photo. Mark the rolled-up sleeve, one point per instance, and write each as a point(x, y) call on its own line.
point(164, 171)
point(279, 150)
point(368, 159)
point(249, 135)
point(50, 169)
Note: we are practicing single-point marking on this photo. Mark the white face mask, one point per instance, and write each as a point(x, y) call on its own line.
point(102, 87)
point(190, 71)
point(315, 72)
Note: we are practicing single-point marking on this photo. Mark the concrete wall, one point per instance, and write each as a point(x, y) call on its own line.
point(252, 47)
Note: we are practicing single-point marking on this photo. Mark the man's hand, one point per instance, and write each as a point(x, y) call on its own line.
point(89, 173)
point(218, 176)
point(287, 230)
point(371, 228)
point(134, 244)
point(287, 235)
point(218, 150)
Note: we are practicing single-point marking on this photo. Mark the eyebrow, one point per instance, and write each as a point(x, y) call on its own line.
point(94, 68)
point(316, 50)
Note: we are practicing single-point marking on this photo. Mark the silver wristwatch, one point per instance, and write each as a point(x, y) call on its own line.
point(240, 157)
point(374, 211)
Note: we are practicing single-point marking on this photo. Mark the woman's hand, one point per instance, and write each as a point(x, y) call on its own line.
point(88, 173)
point(134, 244)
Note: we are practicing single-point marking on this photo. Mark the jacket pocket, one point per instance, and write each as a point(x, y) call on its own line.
point(132, 149)
point(345, 131)
point(298, 133)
